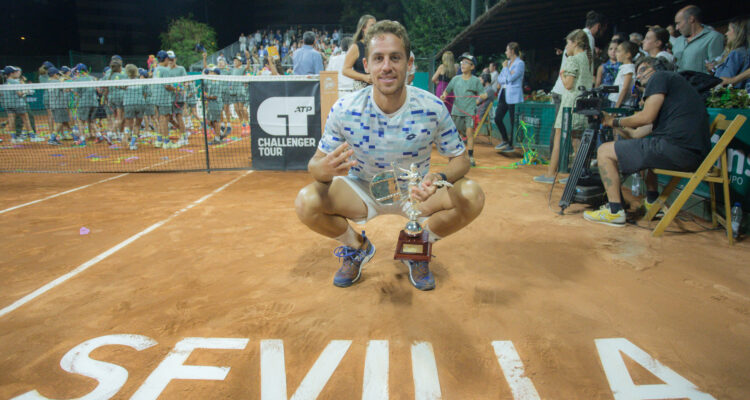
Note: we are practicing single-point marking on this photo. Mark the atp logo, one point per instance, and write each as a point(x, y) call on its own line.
point(286, 116)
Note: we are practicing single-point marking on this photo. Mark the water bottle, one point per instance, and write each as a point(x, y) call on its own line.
point(736, 219)
point(636, 182)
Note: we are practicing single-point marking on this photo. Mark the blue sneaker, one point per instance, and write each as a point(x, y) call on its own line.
point(54, 142)
point(352, 262)
point(420, 275)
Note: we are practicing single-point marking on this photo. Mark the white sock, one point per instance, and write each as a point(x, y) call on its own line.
point(431, 236)
point(350, 238)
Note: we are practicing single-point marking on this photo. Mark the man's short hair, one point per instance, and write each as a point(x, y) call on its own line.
point(636, 37)
point(388, 26)
point(345, 43)
point(308, 38)
point(657, 63)
point(692, 11)
point(593, 18)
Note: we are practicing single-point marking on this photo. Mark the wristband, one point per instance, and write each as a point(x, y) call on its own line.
point(443, 177)
point(616, 123)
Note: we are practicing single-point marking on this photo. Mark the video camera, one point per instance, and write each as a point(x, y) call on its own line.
point(591, 102)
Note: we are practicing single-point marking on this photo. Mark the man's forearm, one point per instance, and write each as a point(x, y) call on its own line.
point(457, 168)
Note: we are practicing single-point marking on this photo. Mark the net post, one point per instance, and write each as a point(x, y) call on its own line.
point(205, 131)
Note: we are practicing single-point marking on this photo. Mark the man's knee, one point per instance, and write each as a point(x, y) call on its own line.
point(309, 201)
point(469, 198)
point(606, 151)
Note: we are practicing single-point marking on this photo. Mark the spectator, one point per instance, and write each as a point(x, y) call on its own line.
point(655, 43)
point(485, 100)
point(243, 43)
point(336, 63)
point(465, 88)
point(577, 72)
point(736, 57)
point(624, 80)
point(637, 38)
point(493, 73)
point(673, 35)
point(510, 84)
point(698, 44)
point(353, 66)
point(594, 27)
point(678, 139)
point(606, 73)
point(445, 72)
point(306, 60)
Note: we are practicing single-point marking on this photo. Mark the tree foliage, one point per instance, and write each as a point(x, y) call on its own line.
point(431, 23)
point(182, 36)
point(434, 23)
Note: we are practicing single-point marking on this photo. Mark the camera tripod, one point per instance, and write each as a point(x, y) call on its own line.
point(580, 170)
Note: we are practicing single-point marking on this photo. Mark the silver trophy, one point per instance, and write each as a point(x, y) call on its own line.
point(386, 189)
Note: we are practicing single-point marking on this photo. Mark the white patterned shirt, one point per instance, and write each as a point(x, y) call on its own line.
point(378, 139)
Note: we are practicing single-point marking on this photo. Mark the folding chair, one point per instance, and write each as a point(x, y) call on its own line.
point(708, 172)
point(481, 123)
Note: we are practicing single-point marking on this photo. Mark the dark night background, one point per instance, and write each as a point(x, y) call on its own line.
point(52, 27)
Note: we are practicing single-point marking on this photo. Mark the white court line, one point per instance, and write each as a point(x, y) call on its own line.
point(61, 193)
point(102, 256)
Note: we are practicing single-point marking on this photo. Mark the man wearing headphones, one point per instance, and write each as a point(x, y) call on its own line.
point(671, 132)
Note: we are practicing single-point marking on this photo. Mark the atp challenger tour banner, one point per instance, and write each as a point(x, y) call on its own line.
point(285, 123)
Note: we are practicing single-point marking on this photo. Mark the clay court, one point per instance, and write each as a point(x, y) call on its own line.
point(525, 303)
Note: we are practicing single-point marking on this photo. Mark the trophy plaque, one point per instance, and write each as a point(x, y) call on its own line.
point(413, 243)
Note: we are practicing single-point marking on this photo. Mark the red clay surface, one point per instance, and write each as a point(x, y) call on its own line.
point(240, 265)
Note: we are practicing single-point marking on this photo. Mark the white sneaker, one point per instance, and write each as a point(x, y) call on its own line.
point(157, 144)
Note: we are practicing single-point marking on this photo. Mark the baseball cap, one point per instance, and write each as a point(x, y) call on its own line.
point(116, 57)
point(48, 65)
point(81, 67)
point(64, 69)
point(161, 55)
point(170, 54)
point(217, 71)
point(143, 72)
point(468, 56)
point(237, 57)
point(53, 71)
point(10, 69)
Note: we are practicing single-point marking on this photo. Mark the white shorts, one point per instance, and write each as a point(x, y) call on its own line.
point(362, 189)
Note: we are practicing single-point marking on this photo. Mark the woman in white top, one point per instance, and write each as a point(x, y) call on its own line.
point(655, 43)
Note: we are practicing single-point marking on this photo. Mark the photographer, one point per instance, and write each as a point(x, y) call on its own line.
point(671, 132)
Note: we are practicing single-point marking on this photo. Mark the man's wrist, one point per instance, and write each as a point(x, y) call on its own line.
point(616, 123)
point(442, 176)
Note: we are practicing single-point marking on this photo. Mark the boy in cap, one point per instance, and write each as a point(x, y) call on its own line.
point(148, 110)
point(58, 103)
point(114, 96)
point(134, 103)
point(162, 99)
point(465, 88)
point(178, 92)
point(214, 94)
point(15, 104)
point(86, 107)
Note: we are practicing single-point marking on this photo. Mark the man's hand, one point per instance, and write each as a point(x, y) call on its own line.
point(427, 188)
point(726, 81)
point(337, 163)
point(505, 64)
point(607, 119)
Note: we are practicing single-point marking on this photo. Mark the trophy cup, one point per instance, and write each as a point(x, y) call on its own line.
point(413, 243)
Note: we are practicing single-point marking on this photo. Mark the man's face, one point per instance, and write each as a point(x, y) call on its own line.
point(682, 24)
point(387, 63)
point(644, 74)
point(466, 66)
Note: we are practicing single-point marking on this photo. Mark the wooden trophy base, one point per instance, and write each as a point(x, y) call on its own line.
point(413, 248)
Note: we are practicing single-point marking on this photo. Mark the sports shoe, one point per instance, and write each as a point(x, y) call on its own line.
point(659, 214)
point(157, 143)
point(80, 142)
point(54, 142)
point(544, 179)
point(133, 147)
point(501, 146)
point(34, 138)
point(471, 160)
point(352, 261)
point(604, 216)
point(420, 275)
